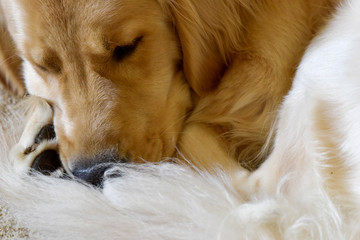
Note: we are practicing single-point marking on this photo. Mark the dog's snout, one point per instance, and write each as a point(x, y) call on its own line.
point(93, 172)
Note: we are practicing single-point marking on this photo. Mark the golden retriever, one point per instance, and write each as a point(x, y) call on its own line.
point(308, 187)
point(147, 80)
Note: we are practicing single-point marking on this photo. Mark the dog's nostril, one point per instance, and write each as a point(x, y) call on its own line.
point(94, 174)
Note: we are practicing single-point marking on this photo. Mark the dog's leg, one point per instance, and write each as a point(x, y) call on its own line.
point(201, 147)
point(37, 147)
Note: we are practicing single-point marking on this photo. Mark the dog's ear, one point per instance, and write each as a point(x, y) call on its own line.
point(206, 42)
point(202, 63)
point(10, 62)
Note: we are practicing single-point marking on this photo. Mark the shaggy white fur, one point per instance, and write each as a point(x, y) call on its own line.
point(307, 189)
point(9, 132)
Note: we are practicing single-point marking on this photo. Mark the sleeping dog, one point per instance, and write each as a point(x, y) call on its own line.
point(145, 81)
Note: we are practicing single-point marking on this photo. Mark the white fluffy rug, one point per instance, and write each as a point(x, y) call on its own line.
point(10, 127)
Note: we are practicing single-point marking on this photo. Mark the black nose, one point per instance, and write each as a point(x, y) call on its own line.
point(93, 172)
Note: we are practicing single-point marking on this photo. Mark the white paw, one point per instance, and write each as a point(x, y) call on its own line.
point(37, 147)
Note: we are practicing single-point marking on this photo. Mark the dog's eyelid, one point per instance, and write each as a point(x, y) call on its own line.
point(42, 68)
point(51, 68)
point(122, 51)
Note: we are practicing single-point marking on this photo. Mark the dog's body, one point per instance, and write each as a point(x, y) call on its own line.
point(136, 81)
point(306, 189)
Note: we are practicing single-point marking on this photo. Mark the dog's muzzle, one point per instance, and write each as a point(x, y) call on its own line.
point(91, 170)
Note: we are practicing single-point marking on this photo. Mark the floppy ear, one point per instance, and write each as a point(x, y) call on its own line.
point(208, 34)
point(10, 62)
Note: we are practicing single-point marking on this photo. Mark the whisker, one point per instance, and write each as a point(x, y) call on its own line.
point(7, 59)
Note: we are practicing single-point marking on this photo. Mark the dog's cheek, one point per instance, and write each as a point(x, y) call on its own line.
point(34, 83)
point(32, 79)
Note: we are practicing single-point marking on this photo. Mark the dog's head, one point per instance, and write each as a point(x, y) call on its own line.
point(113, 72)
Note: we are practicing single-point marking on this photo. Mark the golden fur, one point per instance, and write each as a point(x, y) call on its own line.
point(9, 61)
point(203, 82)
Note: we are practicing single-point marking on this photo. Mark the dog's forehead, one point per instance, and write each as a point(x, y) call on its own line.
point(61, 21)
point(74, 12)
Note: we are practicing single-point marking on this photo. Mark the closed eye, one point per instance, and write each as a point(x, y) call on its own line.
point(121, 52)
point(42, 68)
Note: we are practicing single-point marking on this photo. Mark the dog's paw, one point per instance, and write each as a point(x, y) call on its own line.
point(47, 161)
point(37, 147)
